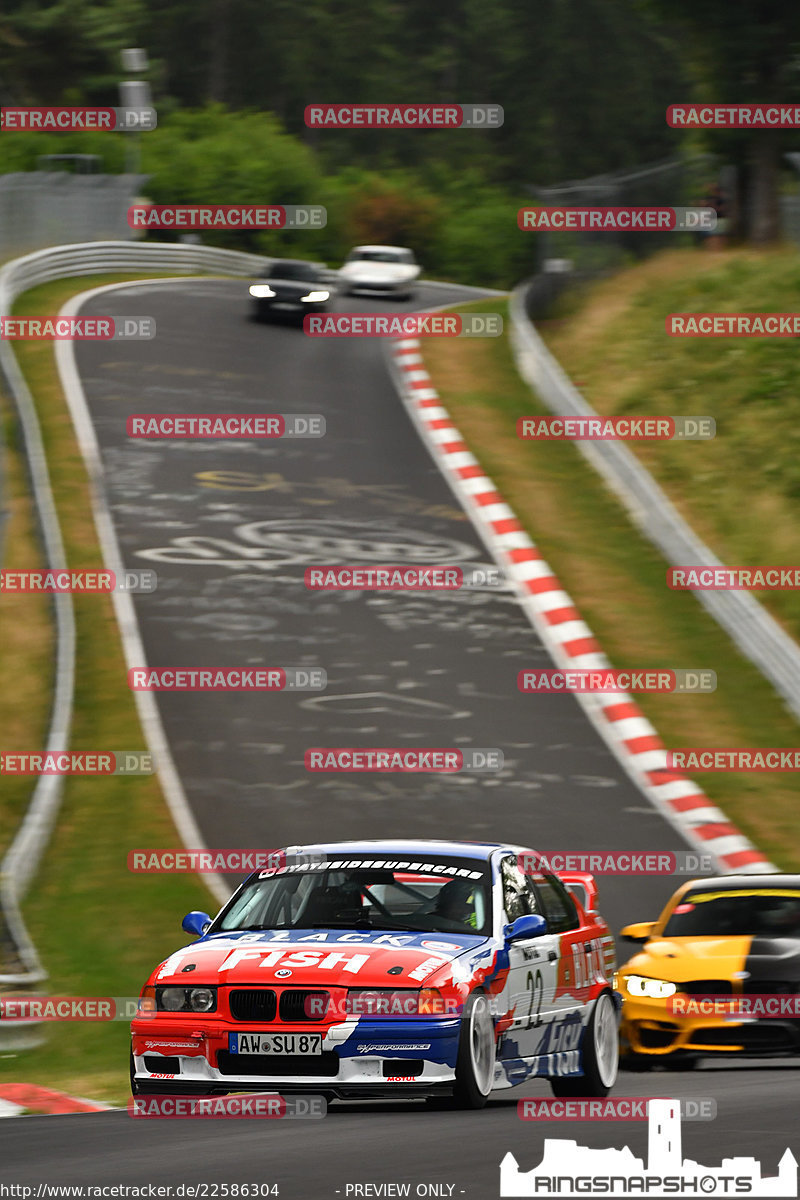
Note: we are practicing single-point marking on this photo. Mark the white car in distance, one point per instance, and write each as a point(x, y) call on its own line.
point(379, 270)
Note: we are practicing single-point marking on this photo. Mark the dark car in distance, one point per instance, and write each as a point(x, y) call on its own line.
point(290, 288)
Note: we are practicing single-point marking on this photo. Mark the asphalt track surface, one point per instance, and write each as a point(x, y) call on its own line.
point(230, 528)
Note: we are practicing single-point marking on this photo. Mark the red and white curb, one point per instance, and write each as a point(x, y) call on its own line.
point(567, 638)
point(16, 1098)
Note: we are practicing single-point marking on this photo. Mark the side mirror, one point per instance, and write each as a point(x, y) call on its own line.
point(640, 932)
point(196, 923)
point(529, 926)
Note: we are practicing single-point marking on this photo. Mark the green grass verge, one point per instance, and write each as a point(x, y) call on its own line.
point(617, 580)
point(99, 930)
point(739, 491)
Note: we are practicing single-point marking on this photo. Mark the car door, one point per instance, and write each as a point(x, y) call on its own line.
point(579, 957)
point(532, 969)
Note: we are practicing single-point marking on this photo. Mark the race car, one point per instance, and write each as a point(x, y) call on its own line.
point(432, 969)
point(379, 270)
point(733, 936)
point(291, 288)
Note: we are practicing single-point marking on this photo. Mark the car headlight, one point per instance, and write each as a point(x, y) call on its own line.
point(315, 297)
point(656, 989)
point(186, 999)
point(261, 291)
point(383, 1002)
point(202, 999)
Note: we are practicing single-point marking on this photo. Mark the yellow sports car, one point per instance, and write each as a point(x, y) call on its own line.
point(718, 973)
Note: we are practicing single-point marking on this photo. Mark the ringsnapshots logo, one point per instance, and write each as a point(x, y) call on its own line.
point(616, 429)
point(77, 583)
point(227, 216)
point(77, 329)
point(403, 325)
point(568, 1169)
point(388, 759)
point(229, 679)
point(404, 116)
point(77, 762)
point(120, 119)
point(617, 219)
point(401, 578)
point(599, 679)
point(225, 425)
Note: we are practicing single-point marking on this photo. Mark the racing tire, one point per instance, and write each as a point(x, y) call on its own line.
point(476, 1054)
point(600, 1054)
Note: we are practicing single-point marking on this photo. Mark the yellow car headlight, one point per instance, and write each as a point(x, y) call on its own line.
point(655, 989)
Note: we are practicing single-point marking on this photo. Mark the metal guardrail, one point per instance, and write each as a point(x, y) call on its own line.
point(24, 971)
point(758, 635)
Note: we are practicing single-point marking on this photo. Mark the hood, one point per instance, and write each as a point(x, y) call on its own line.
point(365, 269)
point(684, 958)
point(316, 957)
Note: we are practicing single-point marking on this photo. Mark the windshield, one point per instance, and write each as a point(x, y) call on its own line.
point(384, 256)
point(762, 912)
point(290, 270)
point(435, 896)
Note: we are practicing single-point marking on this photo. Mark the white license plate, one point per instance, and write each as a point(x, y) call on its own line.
point(276, 1043)
point(285, 304)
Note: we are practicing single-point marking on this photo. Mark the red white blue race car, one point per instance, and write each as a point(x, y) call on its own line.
point(377, 968)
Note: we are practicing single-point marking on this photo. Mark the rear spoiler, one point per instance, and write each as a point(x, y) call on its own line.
point(585, 885)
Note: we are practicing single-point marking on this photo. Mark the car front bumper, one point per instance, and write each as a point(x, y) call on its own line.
point(358, 1058)
point(649, 1028)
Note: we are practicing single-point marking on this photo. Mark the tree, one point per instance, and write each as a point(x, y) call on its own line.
point(745, 51)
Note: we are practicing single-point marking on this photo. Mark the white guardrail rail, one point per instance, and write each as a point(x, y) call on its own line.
point(758, 635)
point(20, 967)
